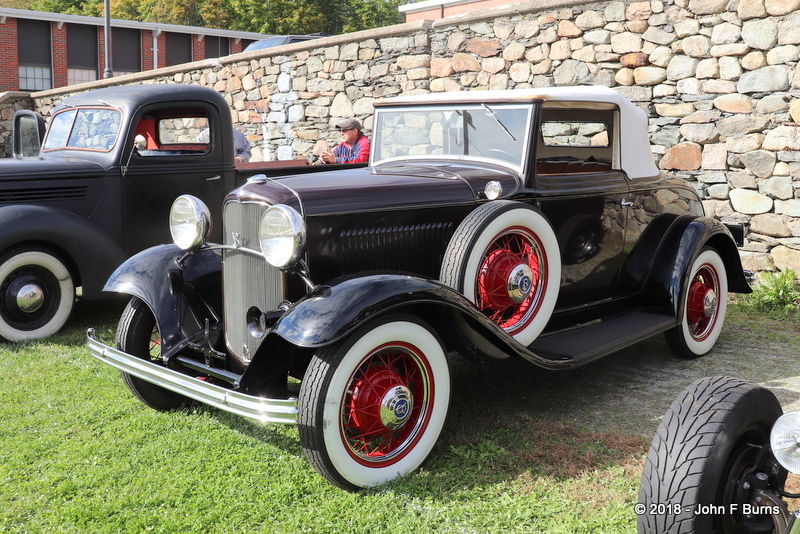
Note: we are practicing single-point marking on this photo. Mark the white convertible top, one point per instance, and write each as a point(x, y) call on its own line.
point(635, 156)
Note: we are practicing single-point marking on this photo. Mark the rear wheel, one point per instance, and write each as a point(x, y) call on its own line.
point(138, 335)
point(705, 300)
point(372, 406)
point(37, 294)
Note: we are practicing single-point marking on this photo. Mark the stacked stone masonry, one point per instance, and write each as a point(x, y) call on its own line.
point(719, 80)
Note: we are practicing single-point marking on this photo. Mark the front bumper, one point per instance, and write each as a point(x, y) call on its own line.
point(257, 408)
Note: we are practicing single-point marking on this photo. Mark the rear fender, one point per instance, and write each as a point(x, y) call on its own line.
point(672, 266)
point(181, 295)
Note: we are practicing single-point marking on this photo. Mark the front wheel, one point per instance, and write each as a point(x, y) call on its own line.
point(705, 300)
point(371, 407)
point(694, 475)
point(138, 335)
point(37, 294)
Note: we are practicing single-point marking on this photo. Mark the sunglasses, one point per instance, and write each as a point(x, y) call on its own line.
point(346, 130)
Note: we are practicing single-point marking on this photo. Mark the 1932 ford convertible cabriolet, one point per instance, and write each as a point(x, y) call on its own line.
point(528, 223)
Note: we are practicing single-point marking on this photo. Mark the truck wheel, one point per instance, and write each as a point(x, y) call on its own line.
point(37, 294)
point(505, 258)
point(709, 435)
point(705, 302)
point(371, 407)
point(137, 334)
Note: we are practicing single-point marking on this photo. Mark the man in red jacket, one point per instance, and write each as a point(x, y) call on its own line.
point(354, 147)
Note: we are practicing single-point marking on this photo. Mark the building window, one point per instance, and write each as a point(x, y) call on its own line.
point(179, 48)
point(217, 46)
point(81, 53)
point(126, 50)
point(34, 55)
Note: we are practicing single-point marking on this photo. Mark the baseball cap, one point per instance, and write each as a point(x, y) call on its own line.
point(349, 123)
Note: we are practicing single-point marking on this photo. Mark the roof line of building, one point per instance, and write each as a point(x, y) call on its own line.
point(119, 23)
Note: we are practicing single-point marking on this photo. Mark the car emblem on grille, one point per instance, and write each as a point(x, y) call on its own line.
point(237, 239)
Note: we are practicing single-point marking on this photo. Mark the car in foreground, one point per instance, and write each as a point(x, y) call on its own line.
point(530, 223)
point(719, 462)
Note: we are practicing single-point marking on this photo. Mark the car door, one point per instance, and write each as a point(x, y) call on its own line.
point(180, 157)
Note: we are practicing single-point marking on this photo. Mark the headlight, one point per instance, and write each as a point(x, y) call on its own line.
point(785, 441)
point(189, 222)
point(282, 235)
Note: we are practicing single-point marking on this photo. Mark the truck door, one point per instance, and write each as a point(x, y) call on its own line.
point(183, 155)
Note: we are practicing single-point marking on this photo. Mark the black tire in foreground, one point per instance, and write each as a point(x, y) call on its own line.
point(709, 436)
point(371, 407)
point(138, 334)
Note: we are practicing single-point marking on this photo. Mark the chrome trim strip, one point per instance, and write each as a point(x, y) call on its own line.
point(257, 408)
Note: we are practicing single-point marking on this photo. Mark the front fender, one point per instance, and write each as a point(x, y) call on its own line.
point(86, 246)
point(330, 313)
point(172, 290)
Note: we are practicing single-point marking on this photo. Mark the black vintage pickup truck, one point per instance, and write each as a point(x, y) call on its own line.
point(79, 200)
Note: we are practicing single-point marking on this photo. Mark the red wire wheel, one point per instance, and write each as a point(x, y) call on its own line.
point(387, 404)
point(702, 303)
point(511, 279)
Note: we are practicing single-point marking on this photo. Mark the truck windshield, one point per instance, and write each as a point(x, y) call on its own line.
point(83, 129)
point(497, 132)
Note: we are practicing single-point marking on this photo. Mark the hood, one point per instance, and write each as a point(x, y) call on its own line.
point(48, 168)
point(384, 188)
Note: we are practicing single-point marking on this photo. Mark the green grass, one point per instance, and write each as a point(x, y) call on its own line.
point(78, 454)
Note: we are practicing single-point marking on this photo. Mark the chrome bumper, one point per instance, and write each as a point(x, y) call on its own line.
point(258, 408)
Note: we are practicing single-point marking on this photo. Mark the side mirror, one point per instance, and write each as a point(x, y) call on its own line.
point(27, 134)
point(139, 143)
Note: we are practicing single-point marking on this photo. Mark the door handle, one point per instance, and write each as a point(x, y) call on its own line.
point(217, 177)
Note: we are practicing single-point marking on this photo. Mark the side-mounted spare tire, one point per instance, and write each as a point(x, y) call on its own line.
point(504, 257)
point(709, 436)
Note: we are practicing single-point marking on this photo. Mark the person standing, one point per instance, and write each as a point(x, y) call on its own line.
point(354, 147)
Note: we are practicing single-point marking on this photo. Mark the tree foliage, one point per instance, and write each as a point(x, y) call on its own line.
point(263, 16)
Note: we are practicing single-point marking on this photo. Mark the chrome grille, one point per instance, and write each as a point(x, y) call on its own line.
point(248, 280)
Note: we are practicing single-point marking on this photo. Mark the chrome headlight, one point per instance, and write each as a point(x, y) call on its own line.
point(189, 222)
point(282, 235)
point(785, 441)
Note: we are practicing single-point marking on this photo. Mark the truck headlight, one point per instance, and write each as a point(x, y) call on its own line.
point(785, 441)
point(189, 222)
point(282, 235)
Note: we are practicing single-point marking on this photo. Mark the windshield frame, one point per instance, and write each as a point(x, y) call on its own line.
point(67, 130)
point(490, 114)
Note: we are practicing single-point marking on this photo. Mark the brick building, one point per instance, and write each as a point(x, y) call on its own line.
point(49, 50)
point(439, 9)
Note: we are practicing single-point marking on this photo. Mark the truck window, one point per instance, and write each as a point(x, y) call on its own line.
point(174, 135)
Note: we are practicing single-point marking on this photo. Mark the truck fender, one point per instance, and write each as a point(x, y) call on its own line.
point(88, 250)
point(331, 312)
point(171, 290)
point(685, 241)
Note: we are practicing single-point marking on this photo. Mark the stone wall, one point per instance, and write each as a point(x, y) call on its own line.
point(718, 79)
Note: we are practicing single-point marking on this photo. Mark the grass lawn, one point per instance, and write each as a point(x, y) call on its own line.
point(520, 453)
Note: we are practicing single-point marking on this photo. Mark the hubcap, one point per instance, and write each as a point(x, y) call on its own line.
point(30, 298)
point(396, 407)
point(520, 283)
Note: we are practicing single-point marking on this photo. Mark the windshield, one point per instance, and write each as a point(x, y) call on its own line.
point(83, 129)
point(497, 132)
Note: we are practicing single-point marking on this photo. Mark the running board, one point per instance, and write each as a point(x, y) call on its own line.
point(587, 343)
